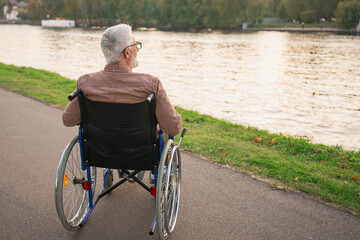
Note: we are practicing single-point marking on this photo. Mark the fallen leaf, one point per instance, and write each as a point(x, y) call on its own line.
point(222, 148)
point(306, 162)
point(342, 165)
point(224, 153)
point(346, 182)
point(309, 184)
point(258, 139)
point(186, 119)
point(296, 179)
point(356, 178)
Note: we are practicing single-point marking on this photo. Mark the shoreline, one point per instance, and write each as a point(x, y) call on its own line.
point(284, 28)
point(305, 30)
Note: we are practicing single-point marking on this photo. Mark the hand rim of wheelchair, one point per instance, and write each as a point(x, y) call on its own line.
point(72, 221)
point(164, 208)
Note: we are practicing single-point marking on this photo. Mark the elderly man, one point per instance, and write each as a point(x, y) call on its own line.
point(118, 84)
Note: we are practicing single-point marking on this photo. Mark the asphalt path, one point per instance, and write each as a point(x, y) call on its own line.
point(216, 201)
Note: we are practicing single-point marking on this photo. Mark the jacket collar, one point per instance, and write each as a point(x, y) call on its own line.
point(117, 68)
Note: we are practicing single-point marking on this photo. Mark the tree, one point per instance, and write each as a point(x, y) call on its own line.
point(109, 11)
point(211, 16)
point(348, 13)
point(231, 13)
point(281, 11)
point(55, 8)
point(71, 8)
point(295, 8)
point(308, 16)
point(272, 8)
point(36, 10)
point(256, 9)
point(324, 8)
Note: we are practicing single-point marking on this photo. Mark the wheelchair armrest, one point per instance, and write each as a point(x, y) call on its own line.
point(73, 94)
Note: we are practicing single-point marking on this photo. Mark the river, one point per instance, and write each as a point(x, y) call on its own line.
point(303, 84)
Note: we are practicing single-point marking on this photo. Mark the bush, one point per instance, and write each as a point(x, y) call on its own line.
point(348, 13)
point(308, 16)
point(22, 15)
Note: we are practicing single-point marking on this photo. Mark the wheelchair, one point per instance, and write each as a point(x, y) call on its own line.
point(121, 137)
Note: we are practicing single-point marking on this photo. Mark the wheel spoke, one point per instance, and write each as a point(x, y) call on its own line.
point(71, 199)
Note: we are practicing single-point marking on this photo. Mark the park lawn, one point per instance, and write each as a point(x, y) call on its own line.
point(297, 25)
point(329, 173)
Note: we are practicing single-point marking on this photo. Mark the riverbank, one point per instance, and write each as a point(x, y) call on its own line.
point(326, 173)
point(304, 30)
point(307, 28)
point(282, 27)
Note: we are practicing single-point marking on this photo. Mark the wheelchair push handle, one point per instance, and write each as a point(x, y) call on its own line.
point(73, 94)
point(181, 137)
point(183, 132)
point(150, 97)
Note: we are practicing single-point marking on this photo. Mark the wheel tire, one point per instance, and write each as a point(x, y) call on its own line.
point(72, 201)
point(173, 190)
point(168, 190)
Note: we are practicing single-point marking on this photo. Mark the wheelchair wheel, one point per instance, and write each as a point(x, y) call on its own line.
point(168, 189)
point(72, 201)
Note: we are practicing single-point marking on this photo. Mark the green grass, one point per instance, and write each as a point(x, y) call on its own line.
point(327, 173)
point(40, 84)
point(297, 25)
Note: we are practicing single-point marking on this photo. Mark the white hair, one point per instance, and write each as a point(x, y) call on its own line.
point(114, 40)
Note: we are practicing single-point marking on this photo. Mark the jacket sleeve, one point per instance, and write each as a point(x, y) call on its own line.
point(71, 115)
point(169, 120)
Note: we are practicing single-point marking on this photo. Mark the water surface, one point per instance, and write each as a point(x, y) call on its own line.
point(294, 83)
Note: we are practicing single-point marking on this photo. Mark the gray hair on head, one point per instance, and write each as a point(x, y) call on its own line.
point(114, 40)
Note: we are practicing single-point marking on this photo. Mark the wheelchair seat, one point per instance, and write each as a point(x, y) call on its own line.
point(119, 136)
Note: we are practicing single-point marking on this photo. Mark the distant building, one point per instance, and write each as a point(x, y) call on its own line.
point(273, 20)
point(13, 8)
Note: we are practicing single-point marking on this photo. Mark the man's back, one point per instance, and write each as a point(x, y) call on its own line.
point(118, 84)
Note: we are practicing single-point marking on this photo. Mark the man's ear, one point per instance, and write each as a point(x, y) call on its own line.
point(127, 53)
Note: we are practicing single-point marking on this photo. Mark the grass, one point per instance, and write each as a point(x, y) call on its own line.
point(329, 173)
point(297, 25)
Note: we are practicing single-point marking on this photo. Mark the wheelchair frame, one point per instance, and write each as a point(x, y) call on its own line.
point(166, 189)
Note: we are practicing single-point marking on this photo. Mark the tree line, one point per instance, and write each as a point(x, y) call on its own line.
point(216, 14)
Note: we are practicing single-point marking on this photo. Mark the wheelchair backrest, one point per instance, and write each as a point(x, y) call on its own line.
point(119, 136)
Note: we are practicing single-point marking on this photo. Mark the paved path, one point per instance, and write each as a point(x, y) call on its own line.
point(216, 202)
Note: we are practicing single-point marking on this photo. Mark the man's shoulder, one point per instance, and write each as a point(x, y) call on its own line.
point(89, 76)
point(145, 78)
point(145, 75)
